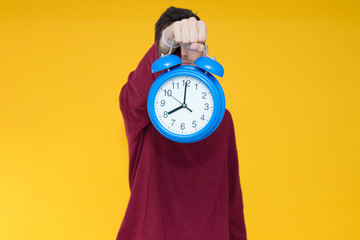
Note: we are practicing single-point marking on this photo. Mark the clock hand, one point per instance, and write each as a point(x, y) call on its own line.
point(176, 109)
point(184, 104)
point(176, 99)
point(185, 92)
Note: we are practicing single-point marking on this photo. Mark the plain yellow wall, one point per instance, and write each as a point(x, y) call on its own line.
point(292, 83)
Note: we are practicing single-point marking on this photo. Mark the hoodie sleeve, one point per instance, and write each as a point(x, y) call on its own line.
point(133, 95)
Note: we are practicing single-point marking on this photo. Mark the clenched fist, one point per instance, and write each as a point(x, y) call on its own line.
point(189, 33)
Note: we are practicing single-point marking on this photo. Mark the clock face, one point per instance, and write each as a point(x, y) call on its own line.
point(184, 105)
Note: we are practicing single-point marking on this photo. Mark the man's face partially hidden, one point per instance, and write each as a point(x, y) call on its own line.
point(190, 52)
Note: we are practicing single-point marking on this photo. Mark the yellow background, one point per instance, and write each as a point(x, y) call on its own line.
point(292, 83)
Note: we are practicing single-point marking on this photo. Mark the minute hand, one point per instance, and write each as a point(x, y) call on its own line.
point(185, 92)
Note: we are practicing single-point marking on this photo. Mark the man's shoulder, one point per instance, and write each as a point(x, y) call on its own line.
point(227, 116)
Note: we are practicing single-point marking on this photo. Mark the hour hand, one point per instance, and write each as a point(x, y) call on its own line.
point(176, 109)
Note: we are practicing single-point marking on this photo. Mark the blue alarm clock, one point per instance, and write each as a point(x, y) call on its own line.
point(186, 103)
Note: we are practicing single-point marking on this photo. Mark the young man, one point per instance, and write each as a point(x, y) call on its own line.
point(178, 191)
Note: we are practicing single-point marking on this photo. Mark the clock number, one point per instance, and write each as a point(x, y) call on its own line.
point(173, 122)
point(162, 103)
point(168, 93)
point(195, 86)
point(188, 82)
point(206, 106)
point(193, 124)
point(165, 114)
point(204, 95)
point(182, 126)
point(202, 117)
point(177, 85)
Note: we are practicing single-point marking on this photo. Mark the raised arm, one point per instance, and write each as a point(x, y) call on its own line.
point(190, 34)
point(133, 95)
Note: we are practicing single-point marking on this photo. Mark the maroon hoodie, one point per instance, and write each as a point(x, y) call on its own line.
point(179, 191)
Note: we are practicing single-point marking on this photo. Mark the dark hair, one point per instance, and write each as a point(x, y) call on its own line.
point(172, 14)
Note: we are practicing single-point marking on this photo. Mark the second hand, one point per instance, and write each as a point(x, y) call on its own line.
point(176, 99)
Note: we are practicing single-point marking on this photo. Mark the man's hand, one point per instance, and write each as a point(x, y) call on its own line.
point(189, 33)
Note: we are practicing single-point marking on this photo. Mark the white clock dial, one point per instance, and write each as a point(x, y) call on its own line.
point(179, 115)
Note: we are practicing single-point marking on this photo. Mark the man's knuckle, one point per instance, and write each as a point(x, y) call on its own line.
point(201, 23)
point(192, 20)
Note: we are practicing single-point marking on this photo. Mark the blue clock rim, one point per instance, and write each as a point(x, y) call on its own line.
point(215, 89)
